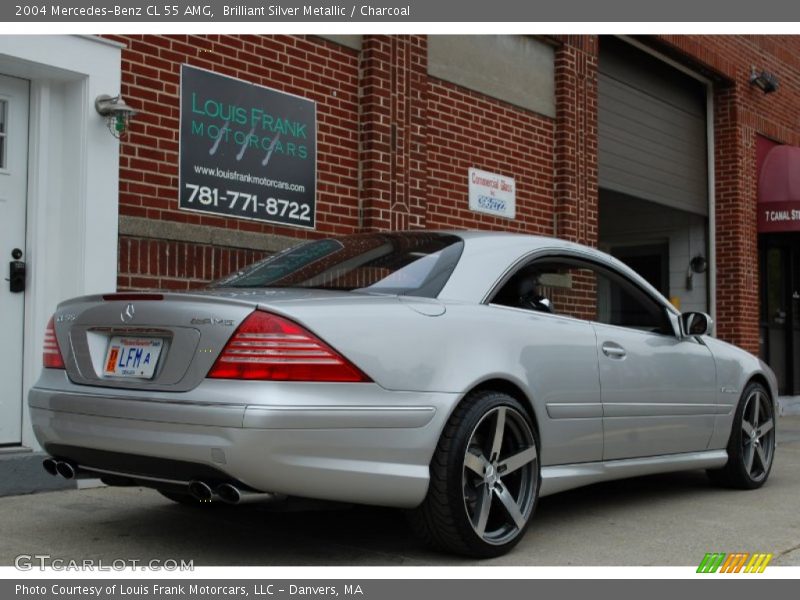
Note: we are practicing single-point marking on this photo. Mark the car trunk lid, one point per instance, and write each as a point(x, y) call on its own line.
point(183, 332)
point(159, 342)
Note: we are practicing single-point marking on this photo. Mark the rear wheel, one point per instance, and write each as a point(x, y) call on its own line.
point(751, 447)
point(484, 478)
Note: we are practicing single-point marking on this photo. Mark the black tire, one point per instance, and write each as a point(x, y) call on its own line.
point(451, 516)
point(751, 443)
point(183, 498)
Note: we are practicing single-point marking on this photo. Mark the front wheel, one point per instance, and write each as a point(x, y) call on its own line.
point(485, 477)
point(751, 447)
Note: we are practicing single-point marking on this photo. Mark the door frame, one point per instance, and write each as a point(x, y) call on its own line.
point(73, 180)
point(789, 244)
point(16, 93)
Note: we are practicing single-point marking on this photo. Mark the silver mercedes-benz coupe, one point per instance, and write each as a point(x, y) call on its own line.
point(461, 375)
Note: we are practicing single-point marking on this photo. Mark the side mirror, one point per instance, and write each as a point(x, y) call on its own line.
point(696, 323)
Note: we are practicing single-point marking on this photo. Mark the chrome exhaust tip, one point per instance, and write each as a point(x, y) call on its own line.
point(51, 466)
point(231, 494)
point(65, 469)
point(201, 491)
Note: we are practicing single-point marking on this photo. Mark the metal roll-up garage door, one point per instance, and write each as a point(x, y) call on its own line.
point(652, 129)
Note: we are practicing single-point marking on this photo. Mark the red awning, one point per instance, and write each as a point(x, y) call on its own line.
point(779, 191)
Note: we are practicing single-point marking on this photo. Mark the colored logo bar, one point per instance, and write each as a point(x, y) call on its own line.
point(736, 562)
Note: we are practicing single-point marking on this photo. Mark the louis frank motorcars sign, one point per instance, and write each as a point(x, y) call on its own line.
point(492, 194)
point(246, 151)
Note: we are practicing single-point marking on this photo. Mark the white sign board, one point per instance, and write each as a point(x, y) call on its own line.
point(492, 194)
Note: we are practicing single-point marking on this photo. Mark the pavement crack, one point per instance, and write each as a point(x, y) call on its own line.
point(787, 551)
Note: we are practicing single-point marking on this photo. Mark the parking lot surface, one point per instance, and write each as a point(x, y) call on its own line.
point(658, 520)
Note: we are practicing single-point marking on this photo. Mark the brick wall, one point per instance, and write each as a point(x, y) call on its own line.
point(741, 111)
point(393, 140)
point(395, 145)
point(465, 129)
point(576, 193)
point(173, 265)
point(312, 67)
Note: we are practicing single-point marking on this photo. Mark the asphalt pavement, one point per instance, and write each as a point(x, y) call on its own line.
point(669, 519)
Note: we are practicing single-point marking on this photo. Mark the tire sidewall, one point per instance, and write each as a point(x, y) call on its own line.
point(735, 454)
point(478, 407)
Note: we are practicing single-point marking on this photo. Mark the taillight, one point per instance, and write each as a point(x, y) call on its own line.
point(266, 346)
point(51, 354)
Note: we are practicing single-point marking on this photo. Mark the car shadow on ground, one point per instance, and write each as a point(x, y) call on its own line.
point(307, 533)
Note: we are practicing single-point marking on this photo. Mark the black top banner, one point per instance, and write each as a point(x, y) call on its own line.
point(246, 151)
point(460, 11)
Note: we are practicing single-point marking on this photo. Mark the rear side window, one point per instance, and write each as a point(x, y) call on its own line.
point(411, 263)
point(582, 290)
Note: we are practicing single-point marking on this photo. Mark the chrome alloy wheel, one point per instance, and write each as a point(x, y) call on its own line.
point(500, 475)
point(758, 435)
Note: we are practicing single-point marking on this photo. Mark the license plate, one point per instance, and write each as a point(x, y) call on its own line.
point(132, 357)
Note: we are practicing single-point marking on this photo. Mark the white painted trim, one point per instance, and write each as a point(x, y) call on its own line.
point(36, 305)
point(81, 180)
point(712, 209)
point(73, 180)
point(105, 41)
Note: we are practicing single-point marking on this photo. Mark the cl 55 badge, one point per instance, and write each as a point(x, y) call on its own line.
point(212, 321)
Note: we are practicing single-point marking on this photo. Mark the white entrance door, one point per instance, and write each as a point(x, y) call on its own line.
point(13, 193)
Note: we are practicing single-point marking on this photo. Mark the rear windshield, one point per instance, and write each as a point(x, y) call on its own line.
point(414, 264)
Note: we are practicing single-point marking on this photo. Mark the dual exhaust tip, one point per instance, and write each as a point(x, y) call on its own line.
point(200, 490)
point(59, 467)
point(228, 493)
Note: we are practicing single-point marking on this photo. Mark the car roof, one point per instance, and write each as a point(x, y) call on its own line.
point(489, 255)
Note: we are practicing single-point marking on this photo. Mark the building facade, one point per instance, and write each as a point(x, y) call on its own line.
point(673, 153)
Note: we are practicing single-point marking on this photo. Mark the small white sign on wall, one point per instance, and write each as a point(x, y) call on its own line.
point(492, 194)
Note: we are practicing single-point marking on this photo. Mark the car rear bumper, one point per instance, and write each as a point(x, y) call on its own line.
point(346, 442)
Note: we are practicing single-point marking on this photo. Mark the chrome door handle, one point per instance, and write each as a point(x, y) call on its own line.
point(613, 350)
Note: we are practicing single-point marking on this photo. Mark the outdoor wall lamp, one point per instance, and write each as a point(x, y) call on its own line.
point(698, 264)
point(116, 112)
point(765, 81)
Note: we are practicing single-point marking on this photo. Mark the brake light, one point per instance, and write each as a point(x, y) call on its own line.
point(51, 353)
point(269, 347)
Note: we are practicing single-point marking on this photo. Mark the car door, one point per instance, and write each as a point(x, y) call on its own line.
point(558, 360)
point(657, 388)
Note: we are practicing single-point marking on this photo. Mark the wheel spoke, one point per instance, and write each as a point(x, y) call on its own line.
point(747, 428)
point(757, 402)
point(510, 505)
point(483, 510)
point(762, 458)
point(497, 509)
point(512, 463)
point(749, 452)
point(476, 464)
point(499, 428)
point(765, 428)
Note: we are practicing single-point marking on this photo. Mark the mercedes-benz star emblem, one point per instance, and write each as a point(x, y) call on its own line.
point(126, 316)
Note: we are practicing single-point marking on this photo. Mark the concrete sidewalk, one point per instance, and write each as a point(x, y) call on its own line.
point(789, 405)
